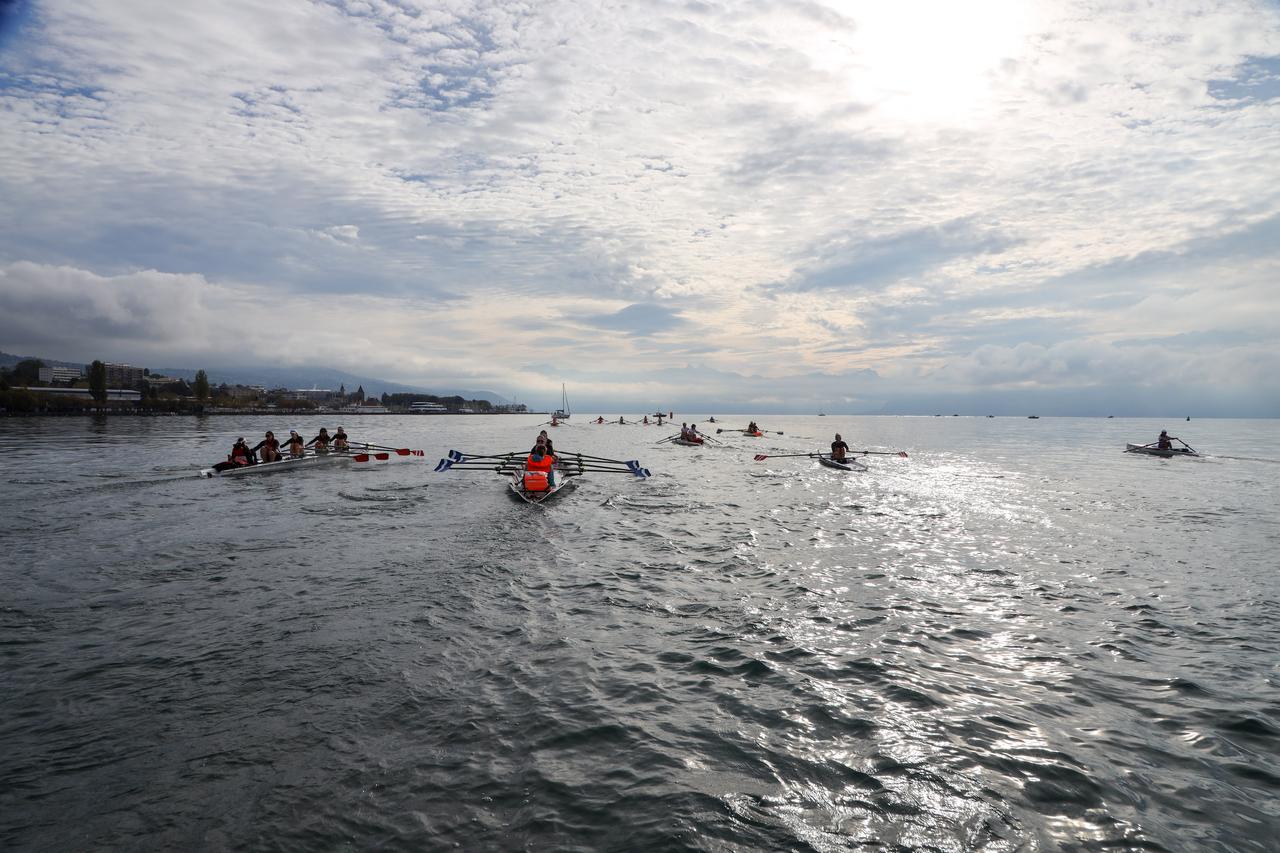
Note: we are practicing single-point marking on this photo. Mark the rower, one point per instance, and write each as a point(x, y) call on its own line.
point(711, 419)
point(544, 441)
point(321, 441)
point(340, 440)
point(839, 449)
point(539, 470)
point(693, 433)
point(646, 420)
point(600, 419)
point(1164, 442)
point(684, 431)
point(270, 448)
point(751, 427)
point(294, 442)
point(622, 420)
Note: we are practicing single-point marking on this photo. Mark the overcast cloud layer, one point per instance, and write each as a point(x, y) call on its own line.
point(992, 206)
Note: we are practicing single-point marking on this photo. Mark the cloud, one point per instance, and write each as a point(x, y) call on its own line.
point(946, 196)
point(636, 320)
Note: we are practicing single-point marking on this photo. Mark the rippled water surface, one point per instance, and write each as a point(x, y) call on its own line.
point(1018, 639)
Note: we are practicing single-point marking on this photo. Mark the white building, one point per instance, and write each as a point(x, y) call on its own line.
point(60, 374)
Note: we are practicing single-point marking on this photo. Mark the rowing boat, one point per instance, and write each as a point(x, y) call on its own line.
point(1155, 451)
point(684, 442)
point(318, 460)
point(847, 465)
point(516, 484)
point(756, 434)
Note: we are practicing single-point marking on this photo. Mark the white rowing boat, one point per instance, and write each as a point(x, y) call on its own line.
point(846, 465)
point(516, 484)
point(318, 460)
point(1148, 450)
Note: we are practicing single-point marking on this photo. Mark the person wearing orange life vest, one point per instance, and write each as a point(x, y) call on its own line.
point(539, 470)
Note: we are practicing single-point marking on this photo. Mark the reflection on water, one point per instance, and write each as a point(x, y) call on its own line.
point(1019, 638)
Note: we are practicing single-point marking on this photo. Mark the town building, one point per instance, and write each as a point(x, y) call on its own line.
point(123, 375)
point(60, 374)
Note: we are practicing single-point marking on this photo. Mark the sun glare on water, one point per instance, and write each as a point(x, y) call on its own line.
point(930, 60)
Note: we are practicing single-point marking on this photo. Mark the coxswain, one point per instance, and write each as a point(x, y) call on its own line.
point(340, 440)
point(321, 441)
point(239, 456)
point(839, 449)
point(1164, 442)
point(269, 448)
point(539, 470)
point(294, 442)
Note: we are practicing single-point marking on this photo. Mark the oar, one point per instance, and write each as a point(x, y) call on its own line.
point(1143, 447)
point(1187, 446)
point(668, 438)
point(365, 457)
point(760, 457)
point(709, 438)
point(398, 451)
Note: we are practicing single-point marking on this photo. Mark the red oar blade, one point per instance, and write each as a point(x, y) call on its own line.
point(360, 457)
point(382, 456)
point(902, 453)
point(760, 457)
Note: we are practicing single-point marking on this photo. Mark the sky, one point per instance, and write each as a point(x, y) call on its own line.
point(911, 207)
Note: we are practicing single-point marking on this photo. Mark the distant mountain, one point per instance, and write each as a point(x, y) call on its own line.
point(287, 377)
point(8, 359)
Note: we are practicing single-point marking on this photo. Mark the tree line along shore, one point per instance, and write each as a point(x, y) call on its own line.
point(29, 388)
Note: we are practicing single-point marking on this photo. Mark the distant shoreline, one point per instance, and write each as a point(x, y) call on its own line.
point(134, 413)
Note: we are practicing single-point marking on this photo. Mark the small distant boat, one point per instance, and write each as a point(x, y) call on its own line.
point(991, 416)
point(1033, 417)
point(824, 414)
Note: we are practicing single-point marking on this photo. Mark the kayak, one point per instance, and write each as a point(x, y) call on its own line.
point(1155, 451)
point(286, 464)
point(516, 484)
point(847, 465)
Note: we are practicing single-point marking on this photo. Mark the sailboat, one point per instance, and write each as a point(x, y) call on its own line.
point(562, 413)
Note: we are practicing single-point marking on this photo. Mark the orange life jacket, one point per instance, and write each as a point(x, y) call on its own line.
point(543, 465)
point(535, 481)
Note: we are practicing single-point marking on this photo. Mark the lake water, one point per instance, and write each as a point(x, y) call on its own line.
point(1017, 639)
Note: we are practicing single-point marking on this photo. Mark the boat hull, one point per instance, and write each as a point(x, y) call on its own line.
point(516, 485)
point(847, 465)
point(684, 442)
point(287, 464)
point(1155, 451)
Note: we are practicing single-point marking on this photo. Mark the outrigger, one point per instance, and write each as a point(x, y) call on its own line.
point(539, 489)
